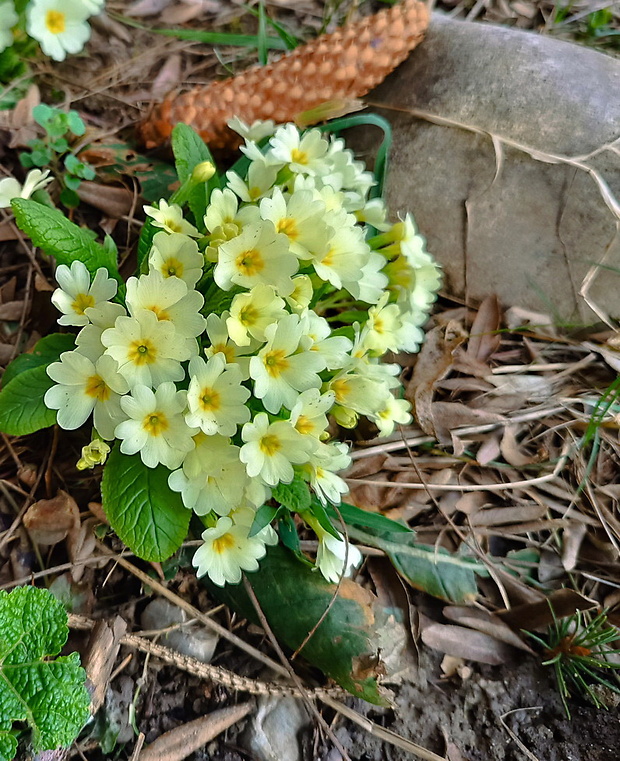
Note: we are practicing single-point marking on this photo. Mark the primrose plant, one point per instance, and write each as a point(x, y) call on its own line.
point(217, 376)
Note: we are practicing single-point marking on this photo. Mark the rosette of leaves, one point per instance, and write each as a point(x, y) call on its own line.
point(54, 150)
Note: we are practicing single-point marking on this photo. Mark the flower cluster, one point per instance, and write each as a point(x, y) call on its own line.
point(59, 26)
point(250, 330)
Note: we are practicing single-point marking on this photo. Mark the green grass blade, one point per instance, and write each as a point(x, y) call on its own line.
point(210, 38)
point(287, 38)
point(381, 160)
point(262, 34)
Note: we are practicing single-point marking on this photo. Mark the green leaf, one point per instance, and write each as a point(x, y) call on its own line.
point(146, 514)
point(75, 123)
point(48, 695)
point(293, 598)
point(22, 409)
point(189, 150)
point(70, 198)
point(264, 516)
point(43, 114)
point(295, 496)
point(432, 569)
point(145, 241)
point(354, 516)
point(45, 351)
point(65, 241)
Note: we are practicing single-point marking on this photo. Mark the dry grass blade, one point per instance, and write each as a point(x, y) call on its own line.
point(203, 670)
point(178, 743)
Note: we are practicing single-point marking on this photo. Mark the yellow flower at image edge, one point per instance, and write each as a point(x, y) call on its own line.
point(59, 26)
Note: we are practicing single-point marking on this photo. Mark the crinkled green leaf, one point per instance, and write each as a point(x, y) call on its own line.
point(294, 597)
point(48, 695)
point(295, 496)
point(58, 237)
point(146, 514)
point(22, 409)
point(190, 150)
point(45, 351)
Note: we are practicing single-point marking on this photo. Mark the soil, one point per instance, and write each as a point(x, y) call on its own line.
point(434, 712)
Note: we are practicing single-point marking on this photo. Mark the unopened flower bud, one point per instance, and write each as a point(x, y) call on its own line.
point(203, 172)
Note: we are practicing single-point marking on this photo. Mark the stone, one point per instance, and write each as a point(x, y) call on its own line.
point(531, 233)
point(273, 733)
point(192, 640)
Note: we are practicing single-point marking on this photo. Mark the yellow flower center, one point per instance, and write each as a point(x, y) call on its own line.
point(55, 21)
point(254, 193)
point(97, 388)
point(82, 302)
point(160, 313)
point(304, 425)
point(275, 361)
point(223, 543)
point(173, 225)
point(250, 263)
point(248, 315)
point(328, 259)
point(298, 156)
point(155, 423)
point(209, 399)
point(142, 352)
point(226, 349)
point(270, 445)
point(378, 325)
point(288, 226)
point(340, 388)
point(172, 268)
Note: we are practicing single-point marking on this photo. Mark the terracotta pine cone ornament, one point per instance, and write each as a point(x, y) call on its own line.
point(340, 66)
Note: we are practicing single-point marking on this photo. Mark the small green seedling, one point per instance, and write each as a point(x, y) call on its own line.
point(54, 150)
point(39, 692)
point(578, 648)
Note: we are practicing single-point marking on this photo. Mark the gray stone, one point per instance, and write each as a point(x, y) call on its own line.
point(273, 734)
point(191, 640)
point(532, 234)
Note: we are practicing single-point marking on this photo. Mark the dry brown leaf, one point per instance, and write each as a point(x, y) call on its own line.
point(489, 449)
point(434, 363)
point(484, 339)
point(50, 520)
point(12, 310)
point(144, 8)
point(572, 538)
point(111, 200)
point(182, 741)
point(511, 451)
point(485, 622)
point(446, 416)
point(466, 643)
point(538, 615)
point(103, 646)
point(187, 10)
point(168, 77)
point(501, 516)
point(538, 388)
